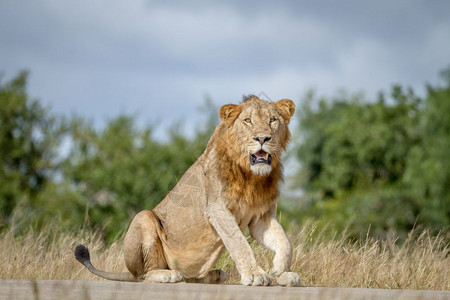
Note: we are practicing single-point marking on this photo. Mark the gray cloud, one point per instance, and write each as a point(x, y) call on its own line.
point(156, 58)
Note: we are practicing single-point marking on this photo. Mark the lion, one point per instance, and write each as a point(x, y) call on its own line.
point(232, 186)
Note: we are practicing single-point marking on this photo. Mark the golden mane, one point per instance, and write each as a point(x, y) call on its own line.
point(257, 192)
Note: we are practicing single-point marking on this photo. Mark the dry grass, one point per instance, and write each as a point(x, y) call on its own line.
point(421, 262)
point(48, 254)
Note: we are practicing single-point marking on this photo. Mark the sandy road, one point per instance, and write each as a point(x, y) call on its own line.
point(77, 289)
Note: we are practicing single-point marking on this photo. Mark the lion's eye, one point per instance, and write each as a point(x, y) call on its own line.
point(247, 120)
point(272, 119)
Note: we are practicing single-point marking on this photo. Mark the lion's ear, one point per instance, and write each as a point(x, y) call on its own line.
point(229, 112)
point(285, 108)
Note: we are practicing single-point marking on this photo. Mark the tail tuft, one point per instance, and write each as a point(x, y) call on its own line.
point(82, 254)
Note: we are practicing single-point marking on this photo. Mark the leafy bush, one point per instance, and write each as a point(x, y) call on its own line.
point(376, 164)
point(29, 137)
point(380, 164)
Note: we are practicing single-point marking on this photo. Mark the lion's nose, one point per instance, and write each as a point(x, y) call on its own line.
point(262, 139)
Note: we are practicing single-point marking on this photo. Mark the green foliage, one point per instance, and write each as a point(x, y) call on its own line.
point(122, 169)
point(29, 137)
point(108, 175)
point(428, 172)
point(377, 164)
point(381, 164)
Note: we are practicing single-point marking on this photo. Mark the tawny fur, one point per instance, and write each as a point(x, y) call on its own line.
point(219, 196)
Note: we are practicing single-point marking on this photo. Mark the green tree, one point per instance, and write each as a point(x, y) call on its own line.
point(121, 169)
point(428, 172)
point(353, 158)
point(29, 140)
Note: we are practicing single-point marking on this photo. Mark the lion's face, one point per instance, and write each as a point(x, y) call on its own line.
point(258, 132)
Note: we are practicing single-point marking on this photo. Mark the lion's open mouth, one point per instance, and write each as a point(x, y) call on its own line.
point(260, 157)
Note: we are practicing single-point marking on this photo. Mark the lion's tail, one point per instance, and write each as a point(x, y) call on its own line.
point(83, 256)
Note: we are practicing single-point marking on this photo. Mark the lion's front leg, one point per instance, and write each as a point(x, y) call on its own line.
point(268, 231)
point(226, 227)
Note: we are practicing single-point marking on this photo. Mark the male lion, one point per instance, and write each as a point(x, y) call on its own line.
point(233, 185)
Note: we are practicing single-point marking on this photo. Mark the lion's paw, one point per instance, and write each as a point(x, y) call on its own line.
point(288, 279)
point(164, 276)
point(256, 277)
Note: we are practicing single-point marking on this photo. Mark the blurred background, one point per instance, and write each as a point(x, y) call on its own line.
point(104, 105)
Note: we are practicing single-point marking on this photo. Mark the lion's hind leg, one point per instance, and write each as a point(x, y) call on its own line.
point(163, 276)
point(144, 256)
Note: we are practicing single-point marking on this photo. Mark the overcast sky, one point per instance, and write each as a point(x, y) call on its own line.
point(159, 59)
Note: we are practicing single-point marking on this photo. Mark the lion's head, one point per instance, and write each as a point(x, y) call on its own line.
point(257, 132)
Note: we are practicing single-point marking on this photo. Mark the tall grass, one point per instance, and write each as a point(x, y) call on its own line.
point(48, 254)
point(420, 262)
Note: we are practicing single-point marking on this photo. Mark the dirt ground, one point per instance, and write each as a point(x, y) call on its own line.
point(78, 289)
